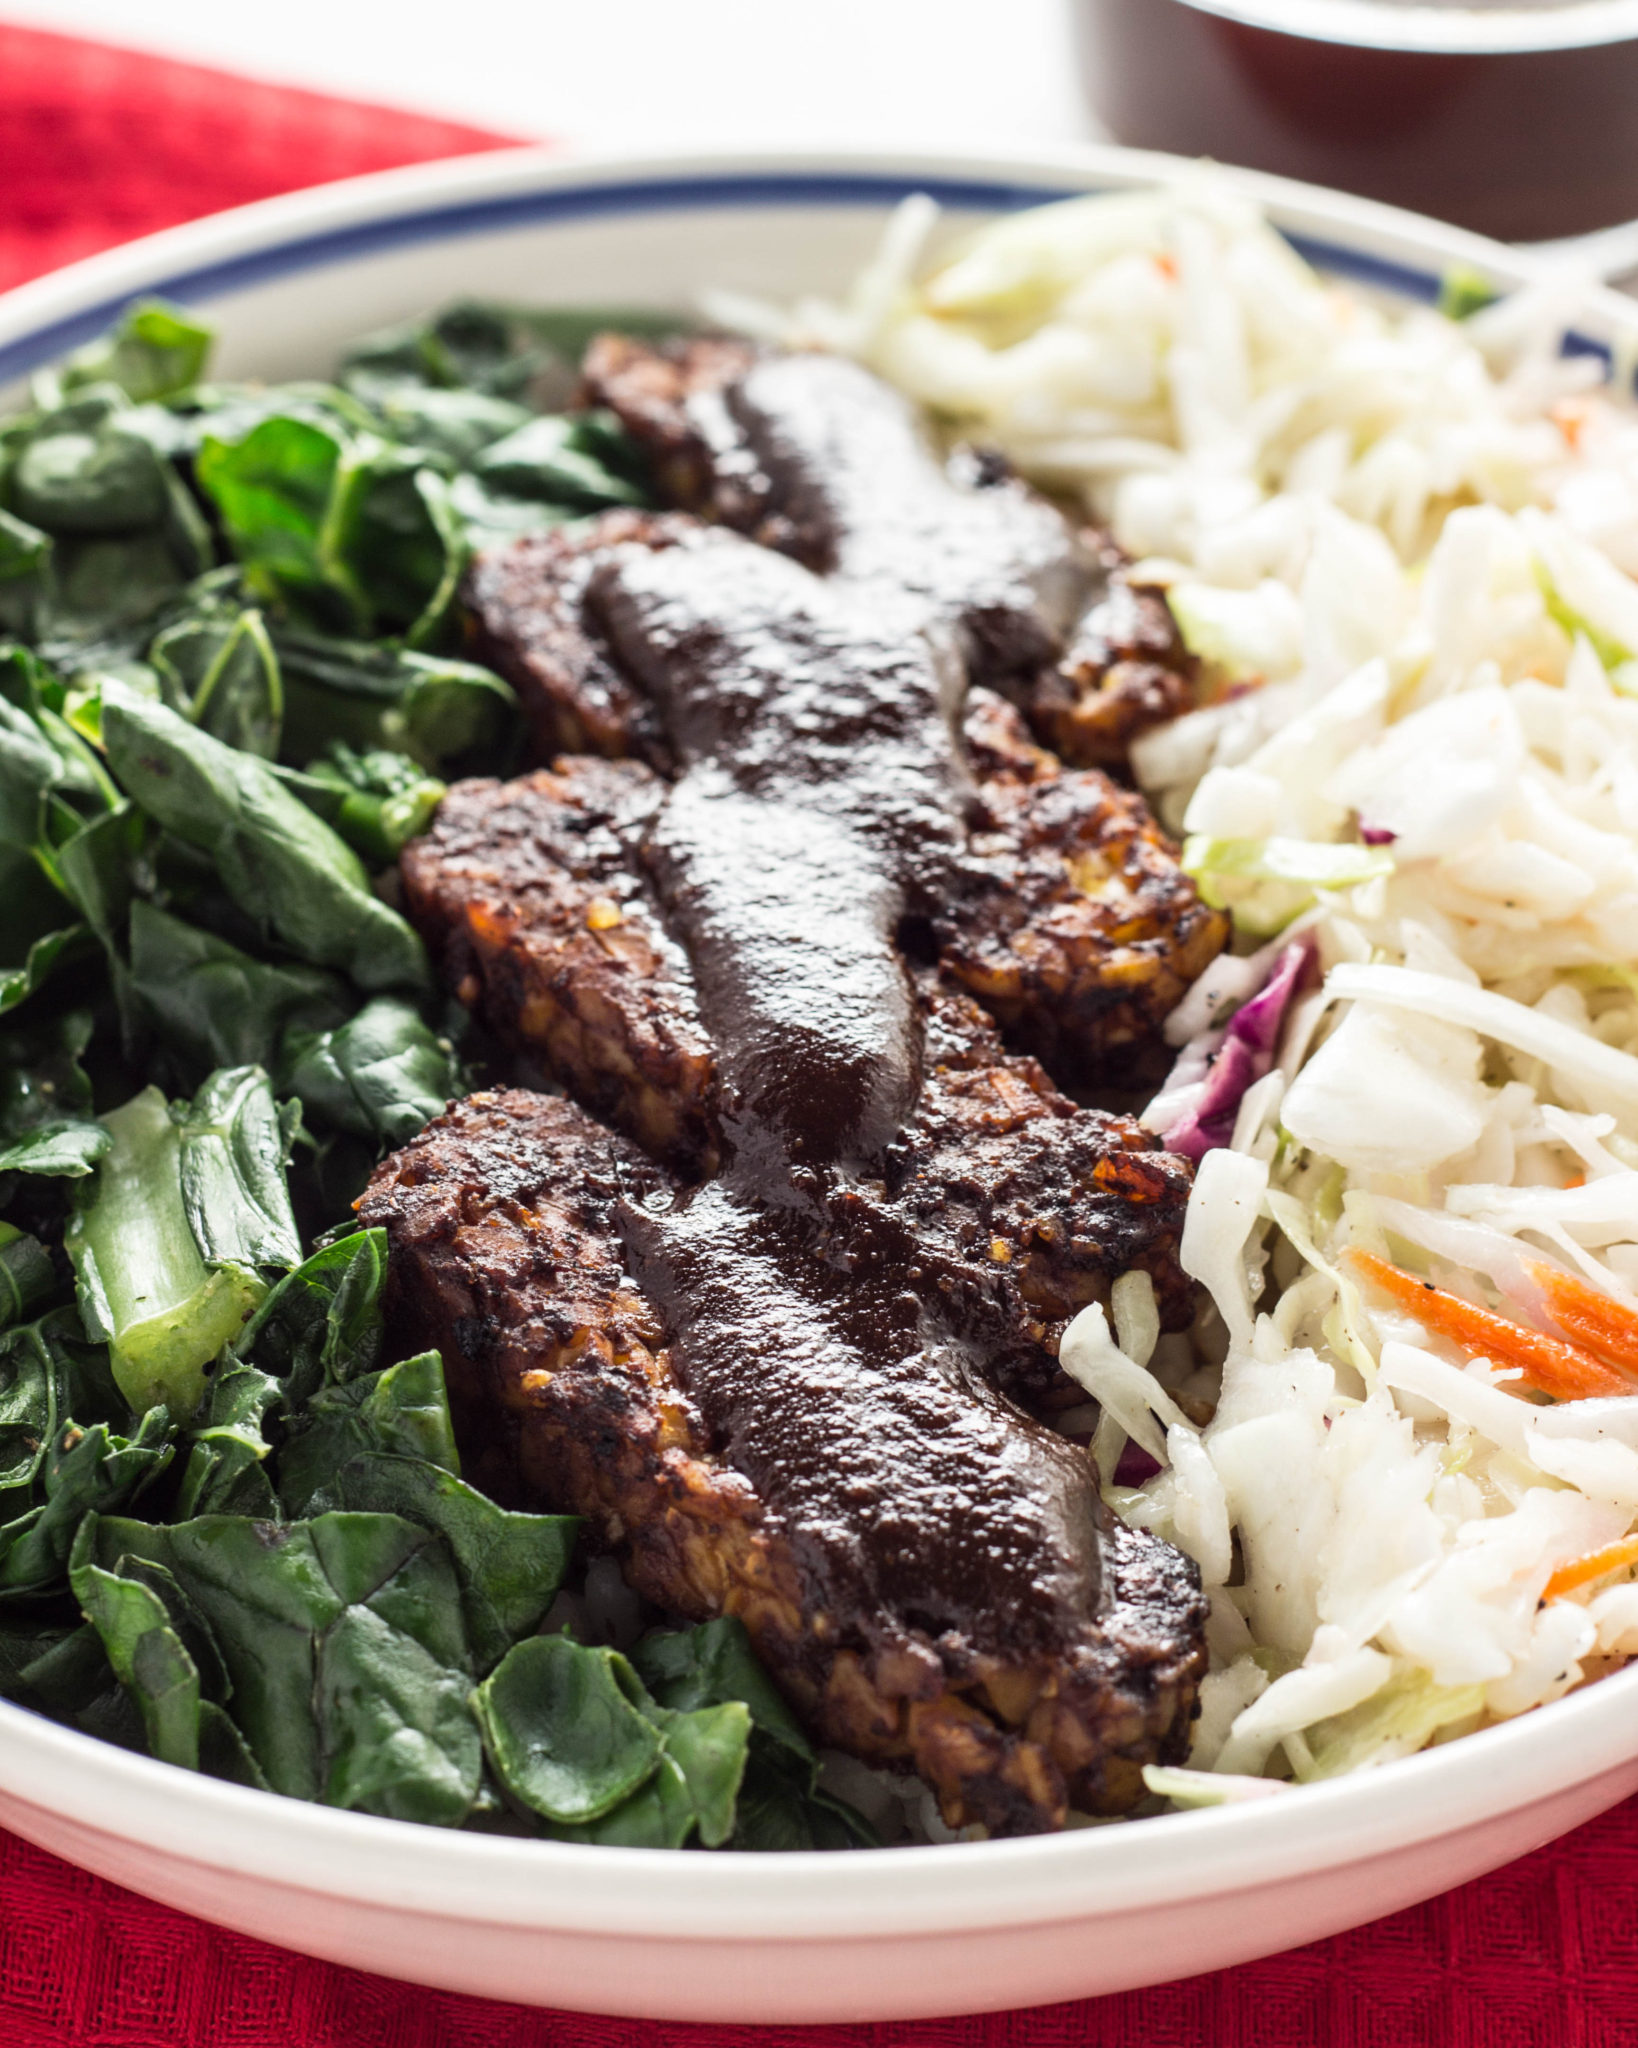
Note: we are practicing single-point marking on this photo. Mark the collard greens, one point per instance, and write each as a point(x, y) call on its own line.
point(234, 1529)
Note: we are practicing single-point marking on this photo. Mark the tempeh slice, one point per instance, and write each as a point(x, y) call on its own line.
point(1025, 1208)
point(1125, 671)
point(930, 1577)
point(524, 618)
point(1090, 932)
point(533, 901)
point(811, 455)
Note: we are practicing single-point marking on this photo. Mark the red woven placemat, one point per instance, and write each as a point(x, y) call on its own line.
point(96, 146)
point(100, 145)
point(1542, 1955)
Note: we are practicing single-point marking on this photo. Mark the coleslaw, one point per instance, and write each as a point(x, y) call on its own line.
point(1404, 546)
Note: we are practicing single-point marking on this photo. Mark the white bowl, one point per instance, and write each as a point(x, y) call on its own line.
point(906, 1932)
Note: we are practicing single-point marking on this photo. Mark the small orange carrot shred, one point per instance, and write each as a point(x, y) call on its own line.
point(1588, 1317)
point(1569, 415)
point(1576, 1180)
point(1549, 1364)
point(1581, 1571)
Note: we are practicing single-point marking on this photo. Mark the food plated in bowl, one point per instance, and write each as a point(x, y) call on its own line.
point(816, 1246)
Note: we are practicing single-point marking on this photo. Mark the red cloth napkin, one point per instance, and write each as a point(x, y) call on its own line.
point(97, 145)
point(100, 145)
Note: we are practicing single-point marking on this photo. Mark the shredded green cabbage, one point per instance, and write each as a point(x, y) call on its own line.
point(1401, 1719)
point(1265, 883)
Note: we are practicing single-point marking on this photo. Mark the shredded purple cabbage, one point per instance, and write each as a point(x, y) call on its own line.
point(1377, 835)
point(1244, 1057)
point(1135, 1466)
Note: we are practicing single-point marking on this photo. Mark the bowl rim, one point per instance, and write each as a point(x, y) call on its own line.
point(474, 1877)
point(1365, 239)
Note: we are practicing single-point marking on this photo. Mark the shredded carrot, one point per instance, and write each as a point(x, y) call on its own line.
point(1569, 415)
point(1549, 1364)
point(1580, 1571)
point(1576, 1180)
point(1167, 266)
point(1588, 1317)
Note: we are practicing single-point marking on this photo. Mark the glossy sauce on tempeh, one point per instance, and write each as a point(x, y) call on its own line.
point(803, 1390)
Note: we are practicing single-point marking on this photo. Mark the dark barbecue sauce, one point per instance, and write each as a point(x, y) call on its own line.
point(912, 1495)
point(820, 803)
point(867, 499)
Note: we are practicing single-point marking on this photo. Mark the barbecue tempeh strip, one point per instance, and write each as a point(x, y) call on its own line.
point(811, 455)
point(931, 1577)
point(1090, 932)
point(532, 896)
point(533, 901)
point(525, 619)
point(1067, 915)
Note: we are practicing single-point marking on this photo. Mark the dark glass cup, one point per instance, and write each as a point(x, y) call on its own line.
point(1520, 120)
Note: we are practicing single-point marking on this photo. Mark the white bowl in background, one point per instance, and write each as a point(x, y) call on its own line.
point(727, 1937)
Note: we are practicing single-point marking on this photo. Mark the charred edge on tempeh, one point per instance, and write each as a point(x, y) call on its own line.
point(1090, 932)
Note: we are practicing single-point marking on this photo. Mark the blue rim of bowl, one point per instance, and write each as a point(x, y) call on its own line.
point(405, 229)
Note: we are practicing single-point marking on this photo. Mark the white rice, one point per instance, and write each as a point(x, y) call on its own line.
point(1405, 546)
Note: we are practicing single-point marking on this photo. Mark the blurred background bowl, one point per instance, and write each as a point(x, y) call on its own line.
point(1518, 120)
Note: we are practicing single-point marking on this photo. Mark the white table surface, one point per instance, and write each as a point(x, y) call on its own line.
point(630, 72)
